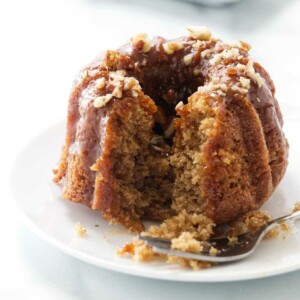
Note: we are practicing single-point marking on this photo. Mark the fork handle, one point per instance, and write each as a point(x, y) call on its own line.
point(290, 217)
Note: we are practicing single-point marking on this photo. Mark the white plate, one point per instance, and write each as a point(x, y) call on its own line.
point(53, 219)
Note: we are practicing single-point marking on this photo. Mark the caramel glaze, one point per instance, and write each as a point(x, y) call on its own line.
point(167, 80)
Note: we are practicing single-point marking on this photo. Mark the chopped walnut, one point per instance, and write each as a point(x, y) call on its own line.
point(129, 83)
point(241, 44)
point(179, 105)
point(238, 89)
point(205, 53)
point(197, 44)
point(116, 77)
point(223, 87)
point(80, 230)
point(199, 32)
point(171, 47)
point(187, 59)
point(241, 67)
point(134, 93)
point(119, 83)
point(245, 46)
point(225, 54)
point(245, 82)
point(219, 88)
point(231, 71)
point(100, 83)
point(141, 42)
point(102, 100)
point(118, 90)
point(250, 71)
point(85, 74)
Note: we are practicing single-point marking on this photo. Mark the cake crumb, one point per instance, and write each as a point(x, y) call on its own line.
point(213, 251)
point(296, 207)
point(138, 250)
point(126, 249)
point(80, 230)
point(285, 227)
point(142, 252)
point(232, 240)
point(186, 243)
point(188, 233)
point(197, 224)
point(189, 263)
point(272, 233)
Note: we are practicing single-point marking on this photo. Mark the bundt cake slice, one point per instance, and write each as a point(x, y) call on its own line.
point(161, 127)
point(107, 163)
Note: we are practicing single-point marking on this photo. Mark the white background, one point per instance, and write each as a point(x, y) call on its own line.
point(42, 46)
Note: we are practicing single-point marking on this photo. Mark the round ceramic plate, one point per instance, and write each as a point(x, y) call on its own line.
point(53, 219)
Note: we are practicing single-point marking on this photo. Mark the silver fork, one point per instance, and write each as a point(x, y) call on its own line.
point(245, 246)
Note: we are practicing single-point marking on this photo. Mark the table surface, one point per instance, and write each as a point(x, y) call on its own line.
point(43, 44)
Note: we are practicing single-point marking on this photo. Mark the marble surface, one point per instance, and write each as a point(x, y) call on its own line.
point(43, 44)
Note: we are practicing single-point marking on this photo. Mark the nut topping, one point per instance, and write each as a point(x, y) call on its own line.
point(100, 83)
point(187, 59)
point(245, 82)
point(141, 42)
point(199, 32)
point(171, 47)
point(102, 100)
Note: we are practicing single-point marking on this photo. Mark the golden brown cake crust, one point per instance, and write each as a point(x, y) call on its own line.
point(227, 156)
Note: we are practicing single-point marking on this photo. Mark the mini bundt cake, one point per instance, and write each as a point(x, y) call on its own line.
point(161, 126)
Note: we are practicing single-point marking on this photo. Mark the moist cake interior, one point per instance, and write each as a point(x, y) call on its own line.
point(155, 167)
